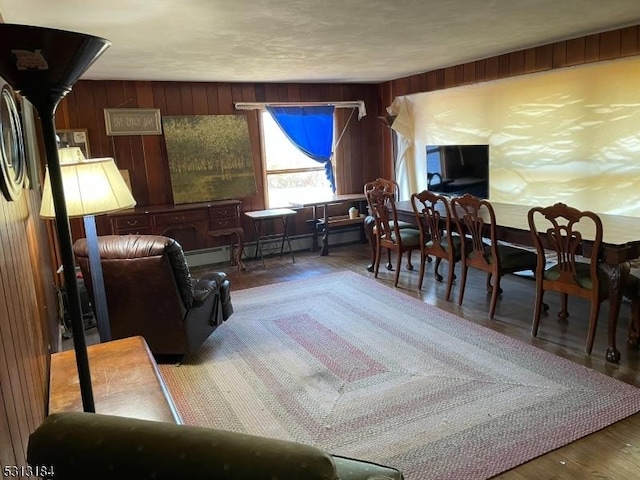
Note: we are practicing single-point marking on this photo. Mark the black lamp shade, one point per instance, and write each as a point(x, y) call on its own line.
point(37, 59)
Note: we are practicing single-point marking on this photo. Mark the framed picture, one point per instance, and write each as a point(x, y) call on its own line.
point(132, 121)
point(75, 138)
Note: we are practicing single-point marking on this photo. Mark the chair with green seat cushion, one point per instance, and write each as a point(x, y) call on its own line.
point(387, 232)
point(558, 228)
point(78, 445)
point(392, 187)
point(437, 239)
point(476, 221)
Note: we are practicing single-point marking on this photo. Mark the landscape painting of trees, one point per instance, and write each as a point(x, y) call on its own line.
point(209, 157)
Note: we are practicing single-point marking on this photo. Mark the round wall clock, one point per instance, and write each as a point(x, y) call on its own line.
point(12, 158)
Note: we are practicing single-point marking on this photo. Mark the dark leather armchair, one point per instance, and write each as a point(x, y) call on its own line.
point(150, 292)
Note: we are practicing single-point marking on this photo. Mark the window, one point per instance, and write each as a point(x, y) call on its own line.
point(291, 175)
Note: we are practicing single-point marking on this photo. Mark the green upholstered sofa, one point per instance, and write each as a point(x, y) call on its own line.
point(77, 445)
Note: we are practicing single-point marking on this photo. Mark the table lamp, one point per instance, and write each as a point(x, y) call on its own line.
point(42, 64)
point(91, 187)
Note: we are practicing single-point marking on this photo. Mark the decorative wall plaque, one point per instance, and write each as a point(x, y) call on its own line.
point(132, 121)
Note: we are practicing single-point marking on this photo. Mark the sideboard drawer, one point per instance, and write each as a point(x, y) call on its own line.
point(222, 212)
point(135, 231)
point(219, 223)
point(132, 221)
point(174, 218)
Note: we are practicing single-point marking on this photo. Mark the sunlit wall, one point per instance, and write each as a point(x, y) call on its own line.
point(570, 135)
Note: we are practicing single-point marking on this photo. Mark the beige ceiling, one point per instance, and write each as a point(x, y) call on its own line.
point(312, 40)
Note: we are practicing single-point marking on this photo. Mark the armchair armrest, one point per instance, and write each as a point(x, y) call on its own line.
point(79, 445)
point(208, 285)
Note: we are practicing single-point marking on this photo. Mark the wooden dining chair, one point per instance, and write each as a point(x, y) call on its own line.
point(437, 238)
point(558, 228)
point(388, 234)
point(476, 222)
point(390, 186)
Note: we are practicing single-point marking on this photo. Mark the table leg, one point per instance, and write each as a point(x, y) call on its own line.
point(314, 238)
point(285, 236)
point(325, 237)
point(618, 275)
point(257, 228)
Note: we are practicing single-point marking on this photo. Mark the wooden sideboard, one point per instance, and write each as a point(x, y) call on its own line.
point(189, 224)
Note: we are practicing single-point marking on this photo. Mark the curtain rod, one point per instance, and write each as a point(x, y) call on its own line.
point(359, 104)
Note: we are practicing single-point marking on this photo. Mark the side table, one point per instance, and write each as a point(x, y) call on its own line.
point(258, 217)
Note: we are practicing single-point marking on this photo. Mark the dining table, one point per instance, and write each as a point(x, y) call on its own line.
point(620, 245)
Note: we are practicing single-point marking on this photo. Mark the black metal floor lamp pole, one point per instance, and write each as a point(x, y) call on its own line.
point(42, 64)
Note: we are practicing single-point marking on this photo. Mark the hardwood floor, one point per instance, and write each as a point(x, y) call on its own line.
point(612, 453)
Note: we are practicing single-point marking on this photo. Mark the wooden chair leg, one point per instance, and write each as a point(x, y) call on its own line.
point(593, 323)
point(537, 310)
point(564, 311)
point(494, 297)
point(409, 265)
point(423, 260)
point(463, 282)
point(398, 263)
point(389, 266)
point(450, 280)
point(377, 262)
point(435, 269)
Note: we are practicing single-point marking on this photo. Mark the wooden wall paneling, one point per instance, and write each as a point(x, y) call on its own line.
point(225, 99)
point(26, 303)
point(156, 176)
point(504, 65)
point(414, 83)
point(492, 68)
point(199, 96)
point(86, 118)
point(293, 92)
point(248, 93)
point(469, 72)
point(559, 54)
point(459, 74)
point(423, 82)
point(530, 60)
point(575, 51)
point(213, 104)
point(7, 455)
point(99, 142)
point(15, 249)
point(186, 98)
point(14, 347)
point(61, 115)
point(610, 45)
point(173, 99)
point(260, 89)
point(592, 48)
point(544, 57)
point(449, 77)
point(629, 41)
point(516, 63)
point(271, 92)
point(344, 163)
point(432, 81)
point(283, 92)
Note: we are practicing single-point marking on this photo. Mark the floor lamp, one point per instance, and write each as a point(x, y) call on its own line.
point(42, 64)
point(91, 187)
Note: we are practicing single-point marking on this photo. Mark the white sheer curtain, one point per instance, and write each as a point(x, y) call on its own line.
point(411, 165)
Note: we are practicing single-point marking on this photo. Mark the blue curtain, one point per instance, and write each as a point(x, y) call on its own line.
point(310, 129)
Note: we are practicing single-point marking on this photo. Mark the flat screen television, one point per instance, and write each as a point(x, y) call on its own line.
point(458, 169)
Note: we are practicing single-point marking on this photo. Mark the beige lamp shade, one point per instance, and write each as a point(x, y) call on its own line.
point(91, 187)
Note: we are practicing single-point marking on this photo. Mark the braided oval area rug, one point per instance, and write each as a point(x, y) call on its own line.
point(359, 369)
